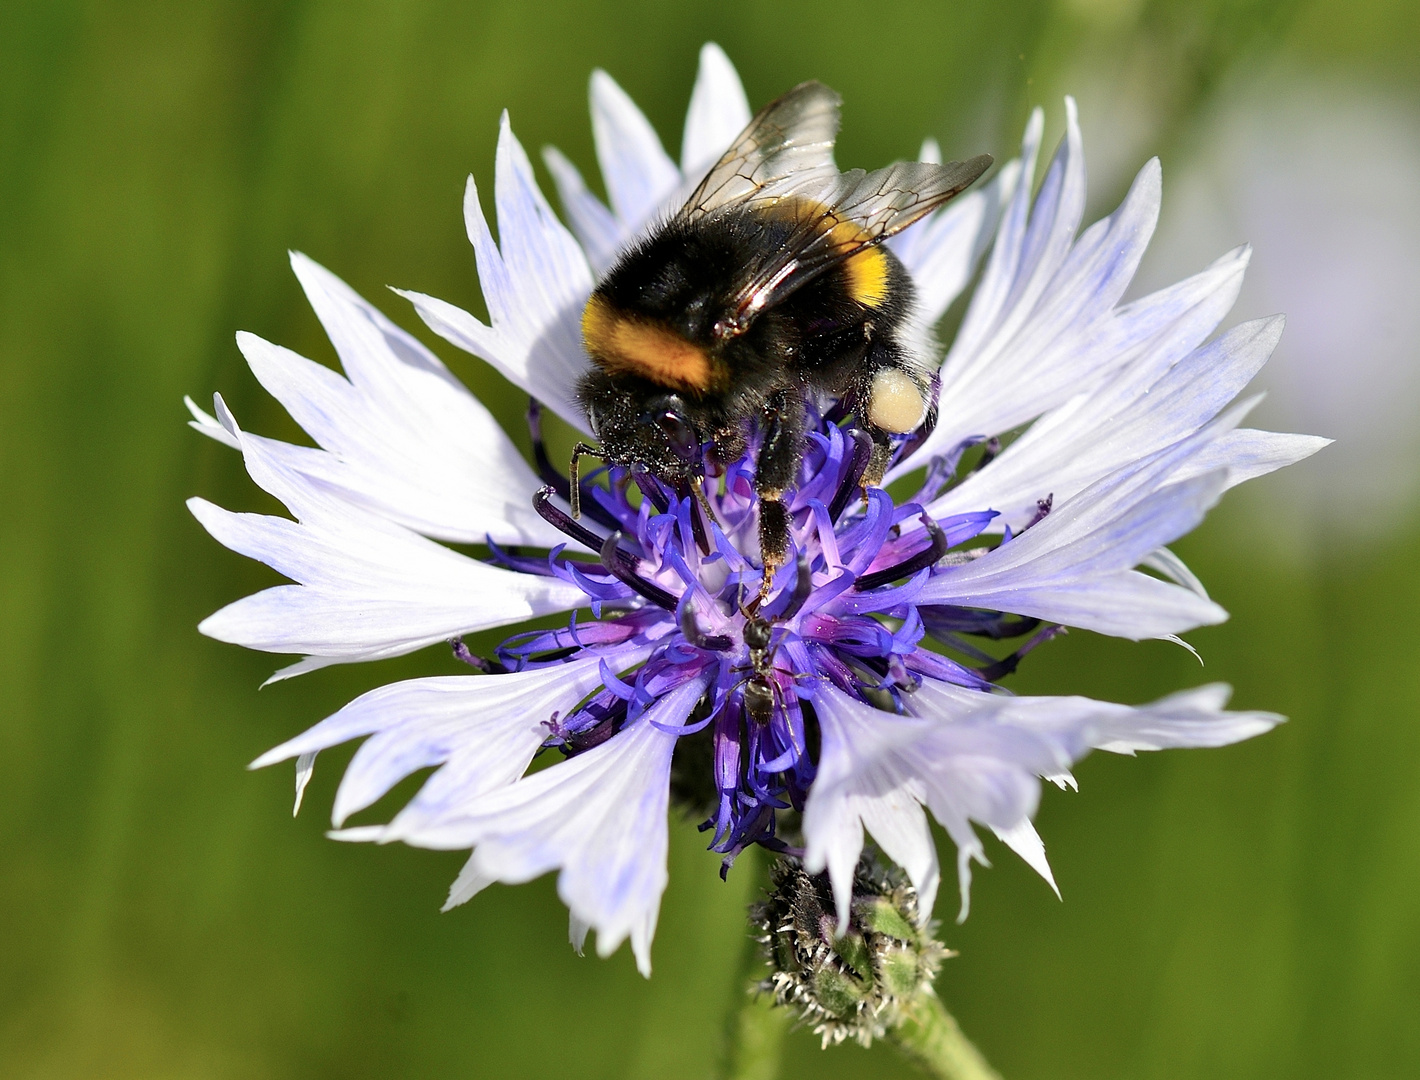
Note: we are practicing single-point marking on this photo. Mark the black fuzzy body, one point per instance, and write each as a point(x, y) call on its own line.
point(818, 340)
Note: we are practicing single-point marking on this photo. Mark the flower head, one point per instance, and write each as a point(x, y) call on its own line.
point(848, 693)
point(853, 984)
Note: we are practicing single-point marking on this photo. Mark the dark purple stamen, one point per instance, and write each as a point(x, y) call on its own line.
point(564, 523)
point(803, 586)
point(693, 634)
point(615, 560)
point(550, 476)
point(488, 667)
point(1008, 664)
point(652, 489)
point(989, 450)
point(921, 561)
point(1042, 511)
point(686, 489)
point(862, 454)
point(940, 620)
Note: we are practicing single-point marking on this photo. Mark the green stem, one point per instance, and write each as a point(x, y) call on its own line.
point(756, 1027)
point(757, 1039)
point(931, 1038)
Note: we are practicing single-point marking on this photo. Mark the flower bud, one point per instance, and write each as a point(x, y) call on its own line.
point(856, 984)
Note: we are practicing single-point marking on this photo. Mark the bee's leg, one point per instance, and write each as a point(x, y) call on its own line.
point(878, 461)
point(777, 470)
point(579, 451)
point(897, 404)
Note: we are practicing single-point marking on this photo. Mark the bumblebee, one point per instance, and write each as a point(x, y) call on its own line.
point(769, 288)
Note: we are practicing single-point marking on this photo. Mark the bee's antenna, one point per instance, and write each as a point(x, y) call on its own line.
point(575, 495)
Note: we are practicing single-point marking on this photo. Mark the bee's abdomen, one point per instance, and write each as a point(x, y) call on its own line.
point(619, 342)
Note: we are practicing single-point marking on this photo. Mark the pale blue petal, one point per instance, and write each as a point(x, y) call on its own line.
point(366, 587)
point(718, 112)
point(535, 286)
point(599, 817)
point(876, 768)
point(398, 434)
point(1037, 329)
point(1074, 567)
point(601, 235)
point(638, 175)
point(1164, 392)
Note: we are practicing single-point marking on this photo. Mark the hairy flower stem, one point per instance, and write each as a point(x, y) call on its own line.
point(755, 1031)
point(930, 1036)
point(756, 1038)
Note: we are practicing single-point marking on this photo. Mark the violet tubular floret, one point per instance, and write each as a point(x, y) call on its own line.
point(843, 611)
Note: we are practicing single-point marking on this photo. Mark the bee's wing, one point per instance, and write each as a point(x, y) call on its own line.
point(837, 218)
point(789, 143)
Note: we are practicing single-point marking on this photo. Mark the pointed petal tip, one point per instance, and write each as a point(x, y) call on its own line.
point(359, 834)
point(1180, 642)
point(555, 159)
point(225, 417)
point(1025, 841)
point(1151, 174)
point(305, 766)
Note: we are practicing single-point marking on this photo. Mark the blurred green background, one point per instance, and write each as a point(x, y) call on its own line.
point(1250, 912)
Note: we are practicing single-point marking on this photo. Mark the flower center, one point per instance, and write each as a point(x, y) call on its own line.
point(672, 578)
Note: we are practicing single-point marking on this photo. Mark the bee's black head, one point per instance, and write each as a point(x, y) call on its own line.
point(640, 424)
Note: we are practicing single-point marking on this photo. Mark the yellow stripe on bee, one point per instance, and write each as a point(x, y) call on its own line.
point(868, 276)
point(867, 270)
point(621, 344)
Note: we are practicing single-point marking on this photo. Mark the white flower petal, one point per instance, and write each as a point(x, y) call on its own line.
point(1075, 725)
point(1172, 567)
point(942, 250)
point(1075, 566)
point(718, 112)
point(1191, 718)
point(1028, 341)
point(535, 282)
point(399, 435)
point(1026, 842)
point(366, 587)
point(1065, 729)
point(482, 729)
point(577, 930)
point(876, 767)
point(860, 777)
point(1248, 453)
point(638, 174)
point(597, 228)
point(599, 817)
point(1167, 390)
point(470, 882)
point(208, 424)
point(305, 766)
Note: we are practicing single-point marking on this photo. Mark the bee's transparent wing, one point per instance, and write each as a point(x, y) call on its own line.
point(788, 145)
point(835, 220)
